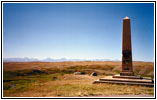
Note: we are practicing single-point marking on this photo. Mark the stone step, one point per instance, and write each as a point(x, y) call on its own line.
point(127, 80)
point(126, 83)
point(127, 77)
point(132, 77)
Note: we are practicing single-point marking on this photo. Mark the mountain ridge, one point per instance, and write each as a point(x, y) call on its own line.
point(26, 59)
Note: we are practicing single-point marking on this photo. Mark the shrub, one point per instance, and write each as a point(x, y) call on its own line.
point(82, 73)
point(6, 87)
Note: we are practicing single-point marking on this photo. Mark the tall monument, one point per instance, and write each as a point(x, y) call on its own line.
point(127, 69)
point(127, 75)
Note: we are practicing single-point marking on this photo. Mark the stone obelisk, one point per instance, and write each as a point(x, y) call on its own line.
point(127, 69)
point(127, 75)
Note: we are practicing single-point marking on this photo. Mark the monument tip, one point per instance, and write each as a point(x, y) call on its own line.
point(126, 17)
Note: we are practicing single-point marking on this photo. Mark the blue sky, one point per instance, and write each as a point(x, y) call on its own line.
point(76, 30)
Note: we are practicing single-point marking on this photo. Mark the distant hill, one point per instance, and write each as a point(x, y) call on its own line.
point(50, 60)
point(19, 59)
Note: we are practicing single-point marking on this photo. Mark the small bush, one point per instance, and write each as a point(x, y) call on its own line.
point(6, 87)
point(8, 75)
point(68, 71)
point(82, 73)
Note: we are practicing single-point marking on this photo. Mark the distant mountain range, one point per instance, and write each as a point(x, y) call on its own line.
point(50, 60)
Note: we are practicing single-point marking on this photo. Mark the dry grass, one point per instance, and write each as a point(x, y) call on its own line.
point(101, 67)
point(10, 66)
point(77, 85)
point(42, 84)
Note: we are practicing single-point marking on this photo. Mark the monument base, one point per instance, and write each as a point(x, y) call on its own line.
point(128, 80)
point(127, 74)
point(127, 77)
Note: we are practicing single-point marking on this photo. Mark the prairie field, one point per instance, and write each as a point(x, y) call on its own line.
point(57, 79)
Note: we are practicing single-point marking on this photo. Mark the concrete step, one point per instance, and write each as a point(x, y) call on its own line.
point(127, 80)
point(126, 83)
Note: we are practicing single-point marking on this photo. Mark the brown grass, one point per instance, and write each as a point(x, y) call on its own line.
point(42, 84)
point(140, 68)
point(10, 66)
point(78, 86)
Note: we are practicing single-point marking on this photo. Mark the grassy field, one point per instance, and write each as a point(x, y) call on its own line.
point(45, 79)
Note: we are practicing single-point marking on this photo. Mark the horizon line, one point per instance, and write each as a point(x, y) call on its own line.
point(68, 59)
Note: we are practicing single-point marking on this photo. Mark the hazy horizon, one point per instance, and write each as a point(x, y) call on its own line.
point(27, 59)
point(76, 30)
